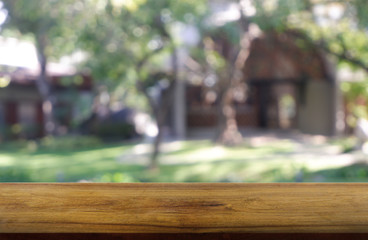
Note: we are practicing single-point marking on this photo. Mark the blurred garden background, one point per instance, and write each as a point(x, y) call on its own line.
point(183, 91)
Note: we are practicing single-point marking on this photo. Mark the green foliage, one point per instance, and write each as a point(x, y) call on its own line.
point(346, 144)
point(116, 177)
point(22, 131)
point(276, 14)
point(10, 174)
point(20, 145)
point(359, 8)
point(338, 26)
point(215, 60)
point(56, 22)
point(122, 34)
point(356, 97)
point(353, 173)
point(69, 143)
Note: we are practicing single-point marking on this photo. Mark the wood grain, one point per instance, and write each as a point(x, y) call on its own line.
point(183, 208)
point(183, 236)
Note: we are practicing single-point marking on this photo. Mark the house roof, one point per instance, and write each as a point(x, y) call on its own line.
point(285, 56)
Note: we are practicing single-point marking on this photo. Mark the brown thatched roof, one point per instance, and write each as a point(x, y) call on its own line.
point(284, 55)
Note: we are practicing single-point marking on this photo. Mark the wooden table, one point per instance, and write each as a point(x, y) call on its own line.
point(183, 211)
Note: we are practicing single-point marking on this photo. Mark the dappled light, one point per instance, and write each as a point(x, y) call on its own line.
point(183, 91)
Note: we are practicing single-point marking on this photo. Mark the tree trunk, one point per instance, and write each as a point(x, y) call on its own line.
point(160, 118)
point(45, 89)
point(227, 128)
point(162, 110)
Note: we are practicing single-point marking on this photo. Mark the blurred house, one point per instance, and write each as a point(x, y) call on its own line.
point(21, 113)
point(287, 85)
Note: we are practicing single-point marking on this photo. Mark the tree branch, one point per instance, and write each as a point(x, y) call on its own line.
point(342, 56)
point(345, 56)
point(147, 57)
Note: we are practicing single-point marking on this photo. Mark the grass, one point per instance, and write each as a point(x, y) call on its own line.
point(185, 161)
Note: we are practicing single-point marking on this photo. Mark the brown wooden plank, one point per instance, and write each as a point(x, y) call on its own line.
point(183, 236)
point(183, 208)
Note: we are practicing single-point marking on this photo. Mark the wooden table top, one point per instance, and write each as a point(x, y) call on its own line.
point(175, 208)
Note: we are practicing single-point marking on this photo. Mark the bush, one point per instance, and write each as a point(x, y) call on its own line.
point(69, 142)
point(17, 145)
point(114, 130)
point(115, 178)
point(9, 174)
point(21, 131)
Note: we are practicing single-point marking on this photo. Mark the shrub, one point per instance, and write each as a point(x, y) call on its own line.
point(10, 174)
point(114, 130)
point(69, 142)
point(22, 131)
point(115, 178)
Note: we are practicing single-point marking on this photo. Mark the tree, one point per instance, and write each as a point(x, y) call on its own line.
point(225, 50)
point(230, 78)
point(338, 27)
point(132, 43)
point(49, 23)
point(222, 58)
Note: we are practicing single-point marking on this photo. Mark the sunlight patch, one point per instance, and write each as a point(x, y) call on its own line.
point(208, 154)
point(6, 161)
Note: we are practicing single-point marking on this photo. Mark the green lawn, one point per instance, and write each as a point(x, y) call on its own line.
point(185, 161)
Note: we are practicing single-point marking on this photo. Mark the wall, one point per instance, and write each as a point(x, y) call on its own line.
point(317, 114)
point(20, 105)
point(13, 93)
